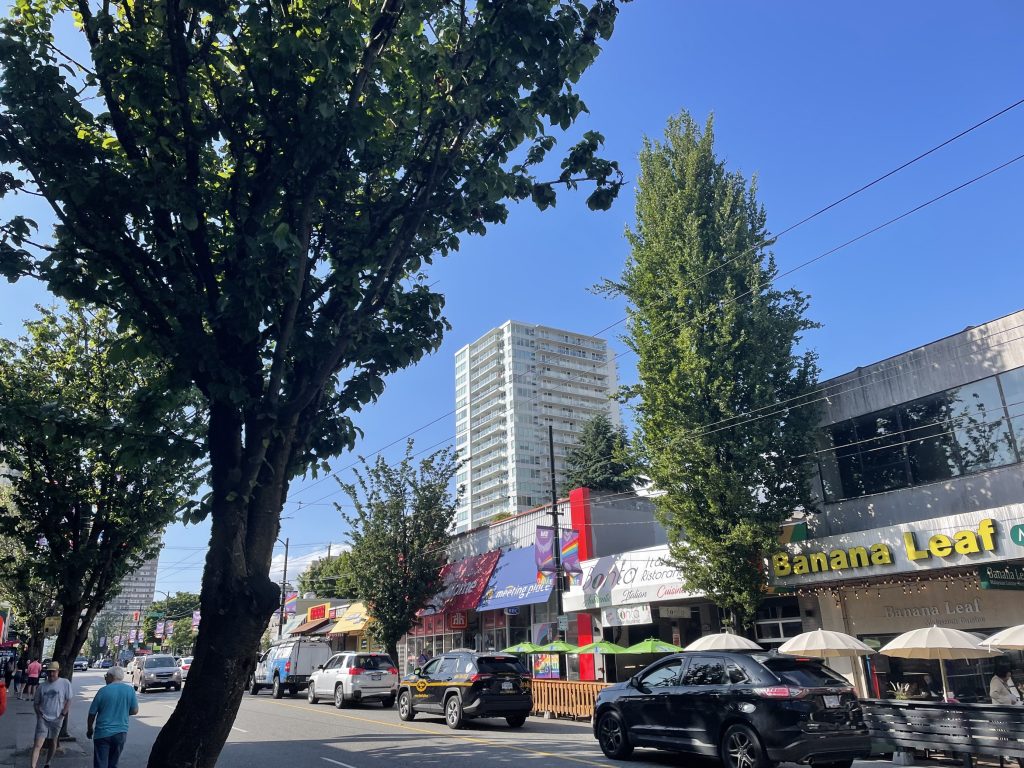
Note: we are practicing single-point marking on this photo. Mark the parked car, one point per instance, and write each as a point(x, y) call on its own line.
point(464, 684)
point(184, 665)
point(355, 677)
point(287, 665)
point(752, 710)
point(106, 663)
point(156, 671)
point(81, 663)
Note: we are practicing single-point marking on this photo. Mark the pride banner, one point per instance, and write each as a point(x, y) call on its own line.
point(291, 602)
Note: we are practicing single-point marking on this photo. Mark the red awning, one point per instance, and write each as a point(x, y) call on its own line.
point(309, 626)
point(464, 583)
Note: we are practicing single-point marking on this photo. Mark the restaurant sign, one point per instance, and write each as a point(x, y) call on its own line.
point(943, 542)
point(317, 612)
point(630, 578)
point(1001, 576)
point(626, 615)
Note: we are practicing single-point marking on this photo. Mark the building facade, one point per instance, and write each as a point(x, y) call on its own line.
point(511, 384)
point(920, 480)
point(138, 589)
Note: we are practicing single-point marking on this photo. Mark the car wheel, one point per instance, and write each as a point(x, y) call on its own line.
point(278, 690)
point(142, 689)
point(612, 736)
point(516, 721)
point(177, 687)
point(388, 703)
point(339, 696)
point(253, 687)
point(741, 748)
point(311, 696)
point(405, 710)
point(453, 716)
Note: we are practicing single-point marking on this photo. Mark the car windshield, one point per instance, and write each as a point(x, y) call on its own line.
point(494, 665)
point(806, 674)
point(158, 661)
point(187, 660)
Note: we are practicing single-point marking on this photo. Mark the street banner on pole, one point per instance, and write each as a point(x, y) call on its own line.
point(159, 629)
point(543, 553)
point(291, 601)
point(571, 556)
point(195, 620)
point(132, 634)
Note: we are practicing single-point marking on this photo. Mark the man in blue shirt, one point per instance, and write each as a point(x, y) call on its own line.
point(109, 713)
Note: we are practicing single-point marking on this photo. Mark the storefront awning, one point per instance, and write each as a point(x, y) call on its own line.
point(630, 578)
point(310, 627)
point(464, 582)
point(514, 582)
point(354, 620)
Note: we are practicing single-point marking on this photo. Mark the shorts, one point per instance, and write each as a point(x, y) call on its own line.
point(31, 681)
point(46, 729)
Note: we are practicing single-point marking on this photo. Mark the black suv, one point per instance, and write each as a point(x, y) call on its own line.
point(464, 684)
point(750, 709)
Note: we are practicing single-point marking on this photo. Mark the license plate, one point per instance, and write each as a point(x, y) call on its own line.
point(375, 676)
point(506, 686)
point(832, 702)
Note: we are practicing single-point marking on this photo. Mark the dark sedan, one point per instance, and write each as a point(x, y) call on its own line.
point(752, 710)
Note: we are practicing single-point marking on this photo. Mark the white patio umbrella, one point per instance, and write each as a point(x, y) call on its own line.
point(942, 643)
point(1011, 639)
point(723, 641)
point(824, 643)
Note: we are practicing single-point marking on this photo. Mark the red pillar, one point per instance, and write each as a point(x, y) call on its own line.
point(579, 514)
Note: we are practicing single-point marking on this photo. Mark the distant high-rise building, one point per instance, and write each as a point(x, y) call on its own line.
point(510, 385)
point(137, 589)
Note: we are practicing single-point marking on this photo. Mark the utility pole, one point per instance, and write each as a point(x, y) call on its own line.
point(284, 581)
point(556, 544)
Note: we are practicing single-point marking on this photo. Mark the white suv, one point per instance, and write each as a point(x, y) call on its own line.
point(155, 672)
point(354, 677)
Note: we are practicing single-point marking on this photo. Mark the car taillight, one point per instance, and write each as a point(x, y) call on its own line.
point(478, 677)
point(392, 670)
point(356, 670)
point(780, 692)
point(287, 666)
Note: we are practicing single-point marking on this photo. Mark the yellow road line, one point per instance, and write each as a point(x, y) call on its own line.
point(464, 737)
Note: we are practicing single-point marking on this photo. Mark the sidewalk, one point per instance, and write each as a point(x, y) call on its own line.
point(17, 729)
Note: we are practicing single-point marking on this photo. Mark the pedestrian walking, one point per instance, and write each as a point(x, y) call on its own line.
point(52, 700)
point(16, 679)
point(8, 671)
point(33, 670)
point(108, 718)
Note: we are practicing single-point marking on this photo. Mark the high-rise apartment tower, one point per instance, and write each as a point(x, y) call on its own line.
point(510, 385)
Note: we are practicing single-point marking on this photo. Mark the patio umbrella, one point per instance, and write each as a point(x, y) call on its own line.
point(940, 643)
point(824, 643)
point(724, 641)
point(526, 647)
point(558, 646)
point(601, 646)
point(651, 645)
point(1011, 639)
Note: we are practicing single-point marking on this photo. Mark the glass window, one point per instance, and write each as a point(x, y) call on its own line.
point(334, 662)
point(705, 670)
point(374, 662)
point(882, 456)
point(931, 447)
point(448, 666)
point(736, 675)
point(664, 676)
point(430, 668)
point(979, 426)
point(1013, 393)
point(501, 664)
point(806, 674)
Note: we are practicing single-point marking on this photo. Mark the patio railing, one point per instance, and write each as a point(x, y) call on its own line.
point(960, 729)
point(565, 698)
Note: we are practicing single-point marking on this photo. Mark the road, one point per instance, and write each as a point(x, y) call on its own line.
point(291, 733)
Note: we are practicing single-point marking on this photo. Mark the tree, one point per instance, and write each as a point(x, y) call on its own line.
point(32, 598)
point(600, 459)
point(173, 607)
point(182, 637)
point(723, 403)
point(257, 188)
point(97, 454)
point(399, 534)
point(329, 577)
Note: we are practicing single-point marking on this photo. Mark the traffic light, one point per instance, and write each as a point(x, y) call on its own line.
point(135, 616)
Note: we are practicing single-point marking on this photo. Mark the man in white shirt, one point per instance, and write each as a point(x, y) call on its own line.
point(51, 702)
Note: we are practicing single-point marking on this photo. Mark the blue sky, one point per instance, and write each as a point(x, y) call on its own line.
point(815, 99)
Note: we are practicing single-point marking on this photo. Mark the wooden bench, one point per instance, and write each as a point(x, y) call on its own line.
point(965, 730)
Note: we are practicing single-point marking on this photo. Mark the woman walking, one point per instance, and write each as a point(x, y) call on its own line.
point(19, 676)
point(33, 671)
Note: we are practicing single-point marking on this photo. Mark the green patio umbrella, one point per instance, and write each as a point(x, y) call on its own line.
point(601, 646)
point(558, 646)
point(522, 648)
point(651, 645)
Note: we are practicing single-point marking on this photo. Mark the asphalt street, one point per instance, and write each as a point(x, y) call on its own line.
point(290, 732)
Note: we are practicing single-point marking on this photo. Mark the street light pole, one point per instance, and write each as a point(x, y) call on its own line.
point(284, 581)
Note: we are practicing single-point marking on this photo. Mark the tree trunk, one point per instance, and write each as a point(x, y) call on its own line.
point(238, 598)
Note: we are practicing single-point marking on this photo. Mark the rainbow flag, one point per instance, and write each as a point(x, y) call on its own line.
point(291, 602)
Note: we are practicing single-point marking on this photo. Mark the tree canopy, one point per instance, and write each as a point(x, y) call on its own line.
point(330, 577)
point(399, 534)
point(722, 406)
point(257, 188)
point(97, 449)
point(600, 459)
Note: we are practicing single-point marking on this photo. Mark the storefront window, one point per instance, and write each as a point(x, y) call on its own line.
point(777, 621)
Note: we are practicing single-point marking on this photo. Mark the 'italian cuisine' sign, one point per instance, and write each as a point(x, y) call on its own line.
point(973, 538)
